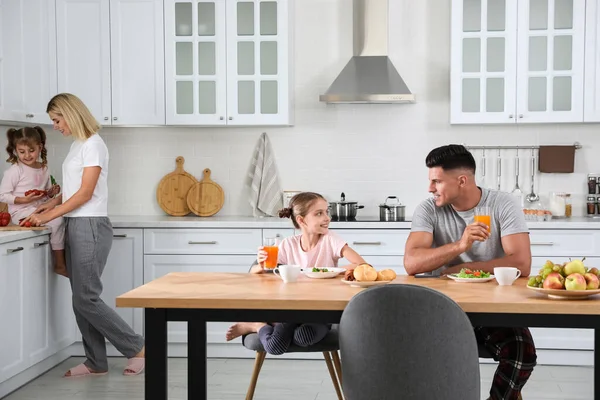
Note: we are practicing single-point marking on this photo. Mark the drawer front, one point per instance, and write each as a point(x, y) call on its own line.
point(202, 241)
point(279, 233)
point(575, 244)
point(376, 242)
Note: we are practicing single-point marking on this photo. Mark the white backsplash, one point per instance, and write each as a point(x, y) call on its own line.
point(361, 150)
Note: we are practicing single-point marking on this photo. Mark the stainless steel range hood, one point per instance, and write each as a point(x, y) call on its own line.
point(369, 76)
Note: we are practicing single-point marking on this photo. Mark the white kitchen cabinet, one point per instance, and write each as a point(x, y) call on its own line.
point(156, 266)
point(550, 60)
point(13, 350)
point(517, 62)
point(110, 55)
point(37, 307)
point(27, 59)
point(592, 63)
point(137, 62)
point(227, 62)
point(83, 51)
point(124, 271)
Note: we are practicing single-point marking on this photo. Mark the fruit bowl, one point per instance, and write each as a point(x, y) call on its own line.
point(562, 294)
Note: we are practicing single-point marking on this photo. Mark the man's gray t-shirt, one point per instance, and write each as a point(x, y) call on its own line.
point(447, 225)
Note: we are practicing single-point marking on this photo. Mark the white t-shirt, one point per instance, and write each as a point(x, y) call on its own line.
point(89, 153)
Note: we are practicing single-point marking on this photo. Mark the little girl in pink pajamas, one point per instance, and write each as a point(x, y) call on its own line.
point(25, 148)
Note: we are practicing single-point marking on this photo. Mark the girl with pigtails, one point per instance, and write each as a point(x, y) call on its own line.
point(27, 184)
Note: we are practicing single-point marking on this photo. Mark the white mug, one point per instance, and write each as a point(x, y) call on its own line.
point(506, 276)
point(289, 273)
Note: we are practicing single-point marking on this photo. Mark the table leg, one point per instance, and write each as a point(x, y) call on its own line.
point(597, 364)
point(155, 386)
point(197, 383)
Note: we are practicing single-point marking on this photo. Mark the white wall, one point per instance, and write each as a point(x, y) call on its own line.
point(366, 151)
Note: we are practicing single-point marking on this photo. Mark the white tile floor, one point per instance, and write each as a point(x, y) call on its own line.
point(279, 379)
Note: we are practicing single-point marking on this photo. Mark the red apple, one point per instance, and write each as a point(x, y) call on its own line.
point(575, 281)
point(554, 280)
point(595, 271)
point(592, 281)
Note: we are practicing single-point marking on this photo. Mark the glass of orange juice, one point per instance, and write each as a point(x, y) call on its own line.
point(271, 246)
point(484, 215)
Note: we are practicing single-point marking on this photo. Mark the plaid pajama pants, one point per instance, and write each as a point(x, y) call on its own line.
point(514, 349)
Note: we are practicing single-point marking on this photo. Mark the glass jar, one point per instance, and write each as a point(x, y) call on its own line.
point(591, 184)
point(558, 204)
point(591, 205)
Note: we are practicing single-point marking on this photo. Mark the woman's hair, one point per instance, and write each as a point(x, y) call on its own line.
point(78, 117)
point(29, 137)
point(299, 205)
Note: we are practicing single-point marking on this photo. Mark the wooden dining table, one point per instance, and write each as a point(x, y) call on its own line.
point(198, 298)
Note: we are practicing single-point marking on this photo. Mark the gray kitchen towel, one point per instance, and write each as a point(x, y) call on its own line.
point(266, 196)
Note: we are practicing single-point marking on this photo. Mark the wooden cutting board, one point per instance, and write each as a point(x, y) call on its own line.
point(173, 189)
point(205, 198)
point(22, 228)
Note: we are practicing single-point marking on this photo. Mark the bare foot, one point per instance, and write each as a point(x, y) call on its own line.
point(142, 353)
point(243, 328)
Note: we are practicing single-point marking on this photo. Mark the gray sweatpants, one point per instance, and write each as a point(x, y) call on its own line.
point(88, 241)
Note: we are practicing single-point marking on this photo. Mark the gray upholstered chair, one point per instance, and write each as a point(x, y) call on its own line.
point(408, 342)
point(329, 346)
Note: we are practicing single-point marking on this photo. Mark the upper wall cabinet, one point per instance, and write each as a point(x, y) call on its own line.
point(110, 54)
point(227, 62)
point(517, 61)
point(27, 59)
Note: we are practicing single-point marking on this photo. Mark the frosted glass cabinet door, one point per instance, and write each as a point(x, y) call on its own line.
point(195, 62)
point(550, 60)
point(483, 64)
point(257, 62)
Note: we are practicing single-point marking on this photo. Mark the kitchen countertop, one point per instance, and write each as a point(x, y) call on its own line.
point(233, 222)
point(11, 236)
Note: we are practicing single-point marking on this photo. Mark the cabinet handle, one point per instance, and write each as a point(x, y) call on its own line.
point(520, 115)
point(115, 118)
point(221, 118)
point(366, 243)
point(543, 244)
point(29, 115)
point(123, 235)
point(511, 116)
point(41, 244)
point(9, 251)
point(106, 118)
point(192, 242)
point(231, 118)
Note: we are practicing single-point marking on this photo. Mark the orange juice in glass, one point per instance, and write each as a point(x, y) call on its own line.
point(270, 245)
point(484, 215)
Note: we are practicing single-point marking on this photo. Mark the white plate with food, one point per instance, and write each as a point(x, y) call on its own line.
point(364, 284)
point(323, 273)
point(456, 278)
point(473, 276)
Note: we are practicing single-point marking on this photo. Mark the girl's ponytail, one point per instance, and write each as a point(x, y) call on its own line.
point(10, 147)
point(43, 151)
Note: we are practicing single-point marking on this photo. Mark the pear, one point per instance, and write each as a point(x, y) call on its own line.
point(574, 267)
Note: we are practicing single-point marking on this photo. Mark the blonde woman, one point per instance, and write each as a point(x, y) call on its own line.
point(88, 237)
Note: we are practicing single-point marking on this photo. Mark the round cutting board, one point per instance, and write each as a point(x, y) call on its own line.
point(205, 198)
point(172, 190)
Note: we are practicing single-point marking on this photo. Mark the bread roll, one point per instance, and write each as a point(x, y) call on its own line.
point(365, 272)
point(386, 275)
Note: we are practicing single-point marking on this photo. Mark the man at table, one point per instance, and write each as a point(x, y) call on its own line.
point(444, 239)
